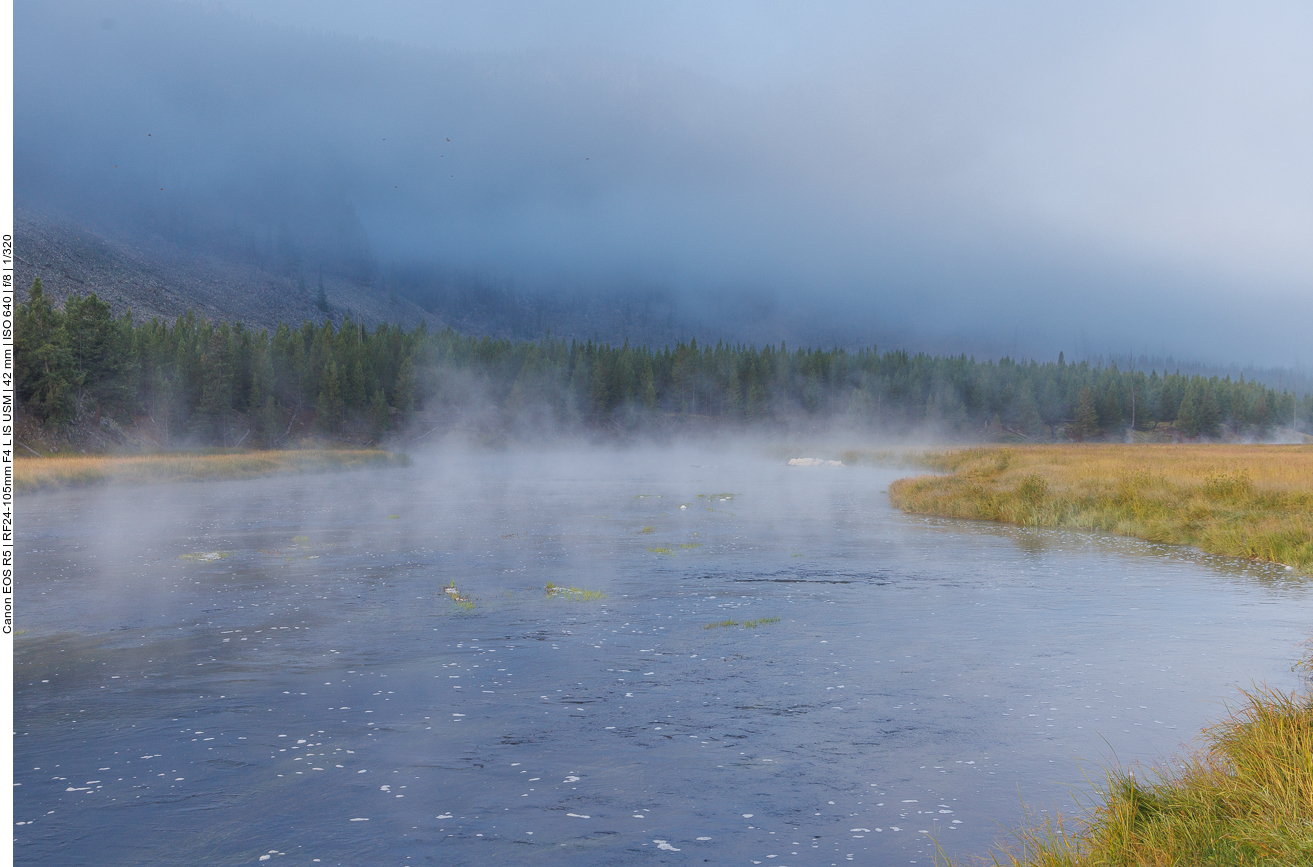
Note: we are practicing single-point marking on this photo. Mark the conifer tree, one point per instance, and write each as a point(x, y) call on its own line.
point(1188, 417)
point(1086, 424)
point(404, 394)
point(379, 416)
point(45, 377)
point(270, 423)
point(328, 406)
point(100, 351)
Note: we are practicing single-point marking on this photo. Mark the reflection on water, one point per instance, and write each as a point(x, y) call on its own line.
point(272, 671)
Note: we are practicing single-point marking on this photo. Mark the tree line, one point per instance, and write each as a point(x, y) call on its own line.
point(225, 384)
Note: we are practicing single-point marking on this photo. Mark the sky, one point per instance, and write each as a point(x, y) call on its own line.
point(1017, 178)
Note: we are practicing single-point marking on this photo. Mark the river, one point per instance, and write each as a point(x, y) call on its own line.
point(271, 671)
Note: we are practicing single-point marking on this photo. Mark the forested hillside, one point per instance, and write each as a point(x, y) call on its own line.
point(205, 384)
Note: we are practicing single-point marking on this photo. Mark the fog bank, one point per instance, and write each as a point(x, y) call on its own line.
point(1004, 179)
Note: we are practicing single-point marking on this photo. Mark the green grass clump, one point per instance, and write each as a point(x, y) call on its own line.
point(690, 544)
point(647, 531)
point(574, 594)
point(665, 551)
point(1245, 799)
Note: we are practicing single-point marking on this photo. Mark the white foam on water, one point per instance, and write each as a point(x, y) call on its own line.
point(662, 844)
point(359, 820)
point(578, 816)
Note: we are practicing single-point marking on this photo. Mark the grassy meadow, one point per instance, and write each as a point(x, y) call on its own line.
point(36, 474)
point(1252, 501)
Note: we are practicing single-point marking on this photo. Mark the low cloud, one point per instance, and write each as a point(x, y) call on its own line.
point(1019, 178)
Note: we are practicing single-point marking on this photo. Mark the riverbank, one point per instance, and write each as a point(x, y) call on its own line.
point(44, 473)
point(1244, 799)
point(1252, 501)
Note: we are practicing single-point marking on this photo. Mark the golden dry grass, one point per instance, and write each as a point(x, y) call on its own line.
point(1251, 501)
point(1244, 799)
point(34, 474)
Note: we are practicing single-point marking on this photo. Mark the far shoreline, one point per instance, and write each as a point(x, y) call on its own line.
point(63, 471)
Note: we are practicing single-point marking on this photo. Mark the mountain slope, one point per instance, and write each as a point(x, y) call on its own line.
point(161, 279)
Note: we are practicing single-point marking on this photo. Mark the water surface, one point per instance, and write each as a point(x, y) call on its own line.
point(271, 671)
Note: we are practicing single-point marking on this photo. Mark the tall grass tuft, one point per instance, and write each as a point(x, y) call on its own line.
point(1242, 501)
point(1244, 799)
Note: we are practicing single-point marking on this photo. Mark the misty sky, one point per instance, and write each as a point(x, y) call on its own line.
point(1095, 177)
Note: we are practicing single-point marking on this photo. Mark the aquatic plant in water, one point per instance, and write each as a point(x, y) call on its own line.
point(461, 601)
point(575, 594)
point(205, 556)
point(746, 624)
